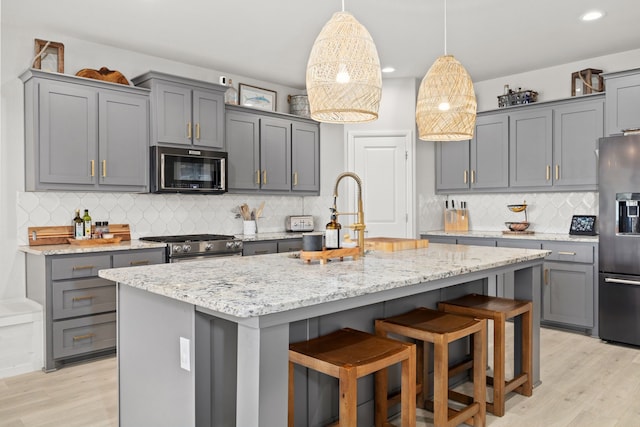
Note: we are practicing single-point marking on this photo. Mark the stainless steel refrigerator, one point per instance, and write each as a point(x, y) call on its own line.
point(619, 275)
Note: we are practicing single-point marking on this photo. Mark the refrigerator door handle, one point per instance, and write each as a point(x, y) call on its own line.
point(622, 281)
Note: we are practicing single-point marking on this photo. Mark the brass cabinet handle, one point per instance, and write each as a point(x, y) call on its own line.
point(466, 176)
point(548, 172)
point(104, 168)
point(546, 276)
point(93, 167)
point(295, 179)
point(473, 176)
point(140, 262)
point(264, 177)
point(566, 253)
point(258, 176)
point(197, 130)
point(83, 337)
point(189, 130)
point(557, 172)
point(83, 267)
point(82, 298)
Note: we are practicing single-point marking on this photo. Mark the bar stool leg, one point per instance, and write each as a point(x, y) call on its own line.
point(291, 395)
point(348, 396)
point(381, 404)
point(479, 375)
point(498, 364)
point(440, 382)
point(408, 391)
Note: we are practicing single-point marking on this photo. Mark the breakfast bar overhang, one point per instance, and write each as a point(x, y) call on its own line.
point(206, 343)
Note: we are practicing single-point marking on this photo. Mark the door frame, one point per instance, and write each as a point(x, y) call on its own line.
point(410, 148)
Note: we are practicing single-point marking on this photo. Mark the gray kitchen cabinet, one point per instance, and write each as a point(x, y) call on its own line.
point(271, 246)
point(439, 239)
point(531, 148)
point(305, 157)
point(622, 100)
point(272, 153)
point(83, 134)
point(481, 163)
point(79, 307)
point(185, 112)
point(474, 241)
point(577, 127)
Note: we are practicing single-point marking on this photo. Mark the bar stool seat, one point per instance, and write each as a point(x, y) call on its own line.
point(348, 354)
point(440, 329)
point(500, 310)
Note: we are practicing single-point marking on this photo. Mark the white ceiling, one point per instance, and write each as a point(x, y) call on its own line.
point(271, 39)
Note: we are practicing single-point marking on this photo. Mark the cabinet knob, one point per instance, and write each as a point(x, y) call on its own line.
point(295, 179)
point(465, 176)
point(264, 177)
point(258, 177)
point(104, 168)
point(197, 131)
point(189, 130)
point(548, 172)
point(557, 172)
point(92, 164)
point(473, 176)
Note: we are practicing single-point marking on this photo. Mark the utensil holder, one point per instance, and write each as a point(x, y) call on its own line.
point(250, 227)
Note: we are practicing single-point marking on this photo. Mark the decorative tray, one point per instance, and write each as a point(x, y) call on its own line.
point(326, 254)
point(94, 242)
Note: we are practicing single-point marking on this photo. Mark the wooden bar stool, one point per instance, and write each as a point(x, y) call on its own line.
point(431, 326)
point(348, 354)
point(500, 310)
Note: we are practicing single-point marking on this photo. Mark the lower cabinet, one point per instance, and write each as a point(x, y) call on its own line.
point(271, 246)
point(79, 307)
point(569, 290)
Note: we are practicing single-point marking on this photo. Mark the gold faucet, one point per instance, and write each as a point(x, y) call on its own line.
point(359, 226)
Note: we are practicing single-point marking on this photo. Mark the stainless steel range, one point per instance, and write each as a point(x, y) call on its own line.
point(191, 247)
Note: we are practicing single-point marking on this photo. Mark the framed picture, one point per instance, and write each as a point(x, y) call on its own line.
point(583, 225)
point(257, 97)
point(49, 56)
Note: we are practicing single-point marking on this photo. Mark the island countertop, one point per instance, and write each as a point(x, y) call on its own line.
point(246, 287)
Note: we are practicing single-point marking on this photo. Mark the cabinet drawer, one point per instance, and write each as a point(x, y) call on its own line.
point(259, 248)
point(132, 259)
point(75, 267)
point(476, 241)
point(292, 245)
point(83, 335)
point(74, 298)
point(568, 252)
point(522, 244)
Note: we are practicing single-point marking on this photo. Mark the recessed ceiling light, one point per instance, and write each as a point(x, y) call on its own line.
point(592, 15)
point(388, 70)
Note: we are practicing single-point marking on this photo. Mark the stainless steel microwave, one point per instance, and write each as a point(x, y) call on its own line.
point(188, 170)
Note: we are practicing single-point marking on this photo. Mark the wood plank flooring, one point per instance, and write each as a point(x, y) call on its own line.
point(585, 383)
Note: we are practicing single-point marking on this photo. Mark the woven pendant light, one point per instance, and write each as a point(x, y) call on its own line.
point(446, 106)
point(344, 82)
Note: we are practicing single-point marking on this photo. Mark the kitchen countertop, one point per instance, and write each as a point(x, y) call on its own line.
point(499, 235)
point(246, 287)
point(76, 249)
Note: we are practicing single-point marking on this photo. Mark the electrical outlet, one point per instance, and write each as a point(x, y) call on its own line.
point(185, 354)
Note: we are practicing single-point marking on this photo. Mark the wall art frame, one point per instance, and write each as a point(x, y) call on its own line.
point(257, 97)
point(49, 56)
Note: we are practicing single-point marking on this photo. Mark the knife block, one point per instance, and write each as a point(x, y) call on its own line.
point(456, 220)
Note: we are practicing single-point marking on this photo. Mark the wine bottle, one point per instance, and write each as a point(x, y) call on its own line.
point(78, 226)
point(332, 233)
point(87, 224)
point(231, 95)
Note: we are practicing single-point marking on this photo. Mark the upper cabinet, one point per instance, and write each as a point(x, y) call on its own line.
point(623, 101)
point(272, 153)
point(537, 147)
point(84, 134)
point(184, 112)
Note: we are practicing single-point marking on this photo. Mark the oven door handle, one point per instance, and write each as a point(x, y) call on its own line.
point(622, 281)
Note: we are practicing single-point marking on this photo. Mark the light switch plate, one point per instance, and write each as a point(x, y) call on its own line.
point(185, 359)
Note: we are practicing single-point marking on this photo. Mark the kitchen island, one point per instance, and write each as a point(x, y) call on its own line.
point(206, 343)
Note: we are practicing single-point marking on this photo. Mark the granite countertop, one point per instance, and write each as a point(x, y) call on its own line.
point(499, 235)
point(258, 237)
point(247, 287)
point(73, 249)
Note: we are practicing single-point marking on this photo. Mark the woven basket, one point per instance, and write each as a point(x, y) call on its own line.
point(344, 48)
point(447, 81)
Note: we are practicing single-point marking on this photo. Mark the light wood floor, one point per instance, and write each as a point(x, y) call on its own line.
point(584, 383)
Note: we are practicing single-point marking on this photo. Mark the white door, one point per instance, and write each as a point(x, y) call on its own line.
point(384, 162)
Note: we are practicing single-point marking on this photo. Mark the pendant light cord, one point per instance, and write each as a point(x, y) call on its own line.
point(445, 25)
point(343, 5)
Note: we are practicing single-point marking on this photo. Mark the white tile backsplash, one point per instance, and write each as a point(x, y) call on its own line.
point(165, 214)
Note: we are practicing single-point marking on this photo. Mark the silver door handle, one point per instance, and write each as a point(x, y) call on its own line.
point(622, 281)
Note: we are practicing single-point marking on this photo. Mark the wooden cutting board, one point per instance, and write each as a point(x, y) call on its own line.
point(392, 244)
point(58, 235)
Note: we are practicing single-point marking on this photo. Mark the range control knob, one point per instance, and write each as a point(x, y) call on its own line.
point(238, 244)
point(229, 245)
point(208, 247)
point(186, 248)
point(177, 248)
